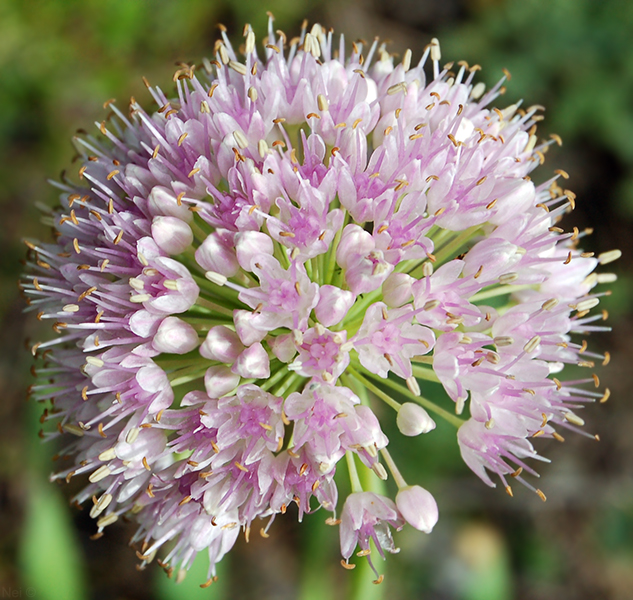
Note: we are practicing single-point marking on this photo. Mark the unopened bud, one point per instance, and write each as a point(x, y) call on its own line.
point(219, 380)
point(253, 363)
point(418, 507)
point(413, 420)
point(283, 347)
point(334, 303)
point(163, 202)
point(396, 290)
point(171, 234)
point(252, 244)
point(217, 254)
point(221, 344)
point(174, 336)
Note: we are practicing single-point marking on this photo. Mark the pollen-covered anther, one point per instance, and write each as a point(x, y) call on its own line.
point(431, 305)
point(532, 344)
point(413, 385)
point(503, 340)
point(508, 278)
point(107, 520)
point(101, 473)
point(607, 257)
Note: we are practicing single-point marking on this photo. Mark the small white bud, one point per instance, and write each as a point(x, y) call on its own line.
point(396, 290)
point(418, 507)
point(413, 420)
point(171, 234)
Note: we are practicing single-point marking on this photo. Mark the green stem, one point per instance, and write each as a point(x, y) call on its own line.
point(314, 266)
point(204, 324)
point(353, 473)
point(501, 290)
point(449, 250)
point(186, 375)
point(431, 406)
point(197, 231)
point(290, 385)
point(331, 253)
point(356, 314)
point(424, 373)
point(274, 379)
point(444, 253)
point(214, 307)
point(279, 253)
point(188, 361)
point(425, 360)
point(376, 390)
point(391, 465)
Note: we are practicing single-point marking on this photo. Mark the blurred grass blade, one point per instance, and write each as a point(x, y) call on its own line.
point(189, 588)
point(50, 556)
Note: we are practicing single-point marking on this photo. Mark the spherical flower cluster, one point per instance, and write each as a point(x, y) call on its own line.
point(238, 277)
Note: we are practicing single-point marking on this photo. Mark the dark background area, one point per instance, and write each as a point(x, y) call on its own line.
point(61, 59)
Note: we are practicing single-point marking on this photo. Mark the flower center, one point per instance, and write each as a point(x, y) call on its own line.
point(322, 354)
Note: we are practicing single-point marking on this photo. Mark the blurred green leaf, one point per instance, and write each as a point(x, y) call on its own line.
point(487, 575)
point(49, 554)
point(189, 589)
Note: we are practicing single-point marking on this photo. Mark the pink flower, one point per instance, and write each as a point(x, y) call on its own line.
point(368, 516)
point(238, 279)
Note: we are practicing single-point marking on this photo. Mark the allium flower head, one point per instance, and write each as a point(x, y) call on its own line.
point(233, 272)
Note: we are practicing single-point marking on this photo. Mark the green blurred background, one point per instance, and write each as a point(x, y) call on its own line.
point(61, 59)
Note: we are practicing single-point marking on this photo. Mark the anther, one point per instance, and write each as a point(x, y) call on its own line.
point(508, 278)
point(379, 470)
point(216, 278)
point(559, 141)
point(574, 419)
point(610, 256)
point(107, 520)
point(74, 429)
point(101, 473)
point(94, 361)
point(107, 455)
point(549, 304)
point(406, 60)
point(532, 344)
point(398, 87)
point(413, 385)
point(587, 304)
point(436, 54)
